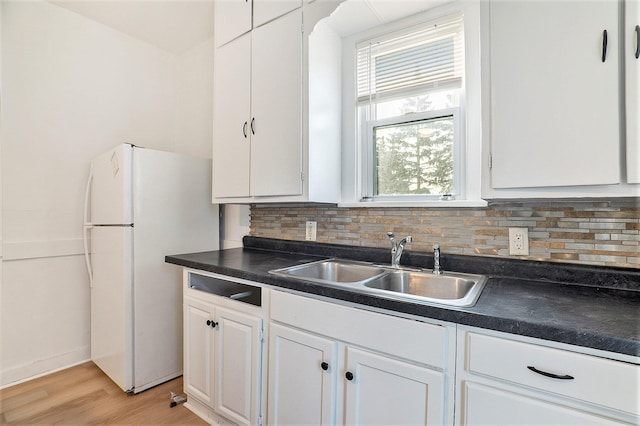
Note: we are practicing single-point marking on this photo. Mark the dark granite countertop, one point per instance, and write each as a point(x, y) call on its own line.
point(579, 305)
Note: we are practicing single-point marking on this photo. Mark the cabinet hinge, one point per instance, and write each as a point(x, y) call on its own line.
point(302, 176)
point(261, 420)
point(490, 161)
point(261, 336)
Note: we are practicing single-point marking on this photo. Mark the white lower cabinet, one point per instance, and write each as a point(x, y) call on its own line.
point(383, 390)
point(223, 355)
point(198, 350)
point(302, 377)
point(332, 363)
point(503, 381)
point(486, 405)
point(344, 367)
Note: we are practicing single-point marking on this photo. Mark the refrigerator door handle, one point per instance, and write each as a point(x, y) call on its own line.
point(86, 226)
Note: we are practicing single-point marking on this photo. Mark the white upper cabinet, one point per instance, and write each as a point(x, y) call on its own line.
point(258, 112)
point(267, 10)
point(276, 107)
point(232, 116)
point(632, 92)
point(265, 148)
point(554, 94)
point(555, 100)
point(232, 19)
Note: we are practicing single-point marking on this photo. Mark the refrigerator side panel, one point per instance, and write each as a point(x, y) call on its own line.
point(172, 214)
point(111, 307)
point(111, 189)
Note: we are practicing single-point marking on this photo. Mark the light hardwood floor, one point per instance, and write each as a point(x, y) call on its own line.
point(84, 395)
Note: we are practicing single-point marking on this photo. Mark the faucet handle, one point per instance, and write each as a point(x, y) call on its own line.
point(409, 238)
point(390, 235)
point(436, 246)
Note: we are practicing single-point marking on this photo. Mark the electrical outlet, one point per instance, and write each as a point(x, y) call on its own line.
point(519, 241)
point(311, 230)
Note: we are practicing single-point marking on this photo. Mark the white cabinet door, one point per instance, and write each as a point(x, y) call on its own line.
point(198, 350)
point(302, 378)
point(484, 405)
point(231, 114)
point(554, 102)
point(267, 10)
point(232, 19)
point(381, 390)
point(238, 366)
point(632, 88)
point(276, 104)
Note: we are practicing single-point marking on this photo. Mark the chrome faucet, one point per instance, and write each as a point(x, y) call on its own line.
point(436, 259)
point(397, 248)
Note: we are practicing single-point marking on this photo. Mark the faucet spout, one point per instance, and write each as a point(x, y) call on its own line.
point(397, 248)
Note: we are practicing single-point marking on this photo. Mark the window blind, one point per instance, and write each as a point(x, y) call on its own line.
point(422, 58)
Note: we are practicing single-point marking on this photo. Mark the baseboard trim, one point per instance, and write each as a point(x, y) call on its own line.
point(24, 373)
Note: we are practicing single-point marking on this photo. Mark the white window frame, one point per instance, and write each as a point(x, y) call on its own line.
point(355, 184)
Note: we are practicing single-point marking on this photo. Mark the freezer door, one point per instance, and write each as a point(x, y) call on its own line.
point(111, 189)
point(111, 303)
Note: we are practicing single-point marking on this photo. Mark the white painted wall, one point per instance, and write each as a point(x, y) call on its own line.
point(72, 88)
point(194, 115)
point(235, 225)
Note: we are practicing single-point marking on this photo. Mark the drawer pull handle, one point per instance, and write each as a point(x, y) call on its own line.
point(604, 45)
point(546, 374)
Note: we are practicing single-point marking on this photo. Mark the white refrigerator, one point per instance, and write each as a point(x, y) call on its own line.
point(141, 205)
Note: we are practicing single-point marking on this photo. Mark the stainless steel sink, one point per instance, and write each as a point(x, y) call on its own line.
point(333, 272)
point(449, 288)
point(418, 286)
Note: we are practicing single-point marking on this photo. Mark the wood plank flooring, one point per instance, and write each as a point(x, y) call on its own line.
point(84, 395)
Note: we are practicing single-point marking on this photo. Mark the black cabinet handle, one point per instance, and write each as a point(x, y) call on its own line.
point(244, 129)
point(637, 55)
point(547, 374)
point(604, 45)
point(324, 366)
point(253, 130)
point(349, 375)
point(209, 322)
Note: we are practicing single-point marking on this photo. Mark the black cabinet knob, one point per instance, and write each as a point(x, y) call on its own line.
point(349, 375)
point(209, 322)
point(324, 366)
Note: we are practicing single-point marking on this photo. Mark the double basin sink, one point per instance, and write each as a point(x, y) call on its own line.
point(419, 286)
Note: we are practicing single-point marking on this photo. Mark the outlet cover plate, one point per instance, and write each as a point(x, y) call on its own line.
point(519, 241)
point(311, 227)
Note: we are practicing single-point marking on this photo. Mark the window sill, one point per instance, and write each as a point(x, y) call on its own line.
point(431, 203)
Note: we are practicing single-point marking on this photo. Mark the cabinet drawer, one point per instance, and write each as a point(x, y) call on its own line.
point(601, 381)
point(404, 338)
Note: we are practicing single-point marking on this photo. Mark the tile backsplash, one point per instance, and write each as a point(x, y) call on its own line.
point(587, 232)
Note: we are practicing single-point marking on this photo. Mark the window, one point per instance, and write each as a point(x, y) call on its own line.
point(409, 102)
